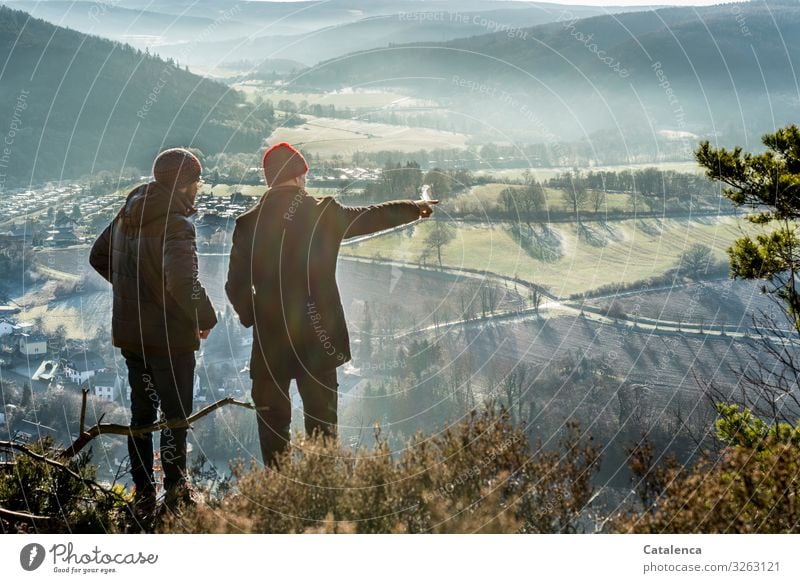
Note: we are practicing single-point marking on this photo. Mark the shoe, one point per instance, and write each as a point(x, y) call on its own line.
point(179, 497)
point(144, 503)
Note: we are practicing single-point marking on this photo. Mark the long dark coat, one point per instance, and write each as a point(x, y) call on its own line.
point(282, 277)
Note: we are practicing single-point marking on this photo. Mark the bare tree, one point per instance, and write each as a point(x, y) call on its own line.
point(536, 297)
point(575, 196)
point(597, 198)
point(440, 235)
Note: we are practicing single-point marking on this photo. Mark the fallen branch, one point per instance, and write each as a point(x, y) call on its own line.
point(115, 429)
point(14, 516)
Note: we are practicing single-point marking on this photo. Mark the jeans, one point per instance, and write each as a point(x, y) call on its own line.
point(165, 381)
point(319, 392)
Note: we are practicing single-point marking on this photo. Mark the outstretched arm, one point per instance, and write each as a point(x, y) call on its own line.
point(363, 220)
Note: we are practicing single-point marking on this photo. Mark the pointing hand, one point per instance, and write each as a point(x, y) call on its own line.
point(425, 207)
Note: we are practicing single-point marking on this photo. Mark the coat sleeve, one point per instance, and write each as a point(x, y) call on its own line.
point(239, 286)
point(353, 221)
point(100, 255)
point(181, 274)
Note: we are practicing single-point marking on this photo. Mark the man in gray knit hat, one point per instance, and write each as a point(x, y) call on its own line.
point(161, 312)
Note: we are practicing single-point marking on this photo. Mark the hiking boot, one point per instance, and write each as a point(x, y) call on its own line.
point(144, 503)
point(179, 497)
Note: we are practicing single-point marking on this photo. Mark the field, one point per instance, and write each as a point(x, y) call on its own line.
point(328, 137)
point(352, 99)
point(621, 251)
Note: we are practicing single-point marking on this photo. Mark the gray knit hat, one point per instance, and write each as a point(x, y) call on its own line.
point(176, 168)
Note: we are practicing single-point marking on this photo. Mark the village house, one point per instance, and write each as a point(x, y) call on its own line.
point(32, 344)
point(61, 237)
point(105, 385)
point(82, 366)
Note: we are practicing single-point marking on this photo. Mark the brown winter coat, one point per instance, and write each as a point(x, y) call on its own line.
point(282, 277)
point(148, 253)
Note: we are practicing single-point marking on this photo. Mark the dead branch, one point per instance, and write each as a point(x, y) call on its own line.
point(115, 429)
point(14, 516)
point(84, 395)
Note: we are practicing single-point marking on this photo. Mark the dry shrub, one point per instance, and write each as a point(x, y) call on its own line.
point(66, 504)
point(746, 490)
point(480, 475)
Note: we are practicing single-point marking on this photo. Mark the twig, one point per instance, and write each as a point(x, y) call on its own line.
point(13, 515)
point(115, 429)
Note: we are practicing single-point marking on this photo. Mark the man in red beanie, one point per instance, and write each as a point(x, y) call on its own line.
point(282, 282)
point(161, 312)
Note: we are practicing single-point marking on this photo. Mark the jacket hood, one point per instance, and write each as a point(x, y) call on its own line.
point(149, 202)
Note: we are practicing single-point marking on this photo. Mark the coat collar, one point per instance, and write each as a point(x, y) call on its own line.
point(285, 190)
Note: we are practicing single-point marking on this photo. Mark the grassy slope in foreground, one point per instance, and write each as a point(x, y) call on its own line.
point(631, 250)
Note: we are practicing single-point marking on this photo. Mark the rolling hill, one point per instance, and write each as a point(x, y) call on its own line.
point(400, 26)
point(139, 26)
point(76, 104)
point(702, 70)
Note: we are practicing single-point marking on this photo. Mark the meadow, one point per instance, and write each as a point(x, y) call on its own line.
point(604, 253)
point(329, 137)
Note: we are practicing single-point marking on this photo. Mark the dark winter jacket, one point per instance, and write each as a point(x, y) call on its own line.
point(282, 277)
point(148, 253)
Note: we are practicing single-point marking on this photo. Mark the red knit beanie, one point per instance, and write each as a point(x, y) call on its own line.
point(282, 162)
point(176, 168)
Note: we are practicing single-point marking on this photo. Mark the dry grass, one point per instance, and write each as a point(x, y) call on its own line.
point(746, 491)
point(478, 476)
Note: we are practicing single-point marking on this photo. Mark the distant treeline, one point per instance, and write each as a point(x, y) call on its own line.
point(432, 118)
point(526, 150)
point(647, 182)
point(489, 157)
point(647, 192)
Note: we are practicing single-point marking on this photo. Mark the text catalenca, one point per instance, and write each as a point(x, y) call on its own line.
point(672, 550)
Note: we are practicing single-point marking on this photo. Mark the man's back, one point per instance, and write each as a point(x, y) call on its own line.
point(286, 249)
point(148, 254)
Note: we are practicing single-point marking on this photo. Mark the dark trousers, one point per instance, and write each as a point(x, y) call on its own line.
point(166, 382)
point(319, 392)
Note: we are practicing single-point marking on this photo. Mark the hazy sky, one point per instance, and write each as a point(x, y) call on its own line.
point(643, 2)
point(608, 3)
